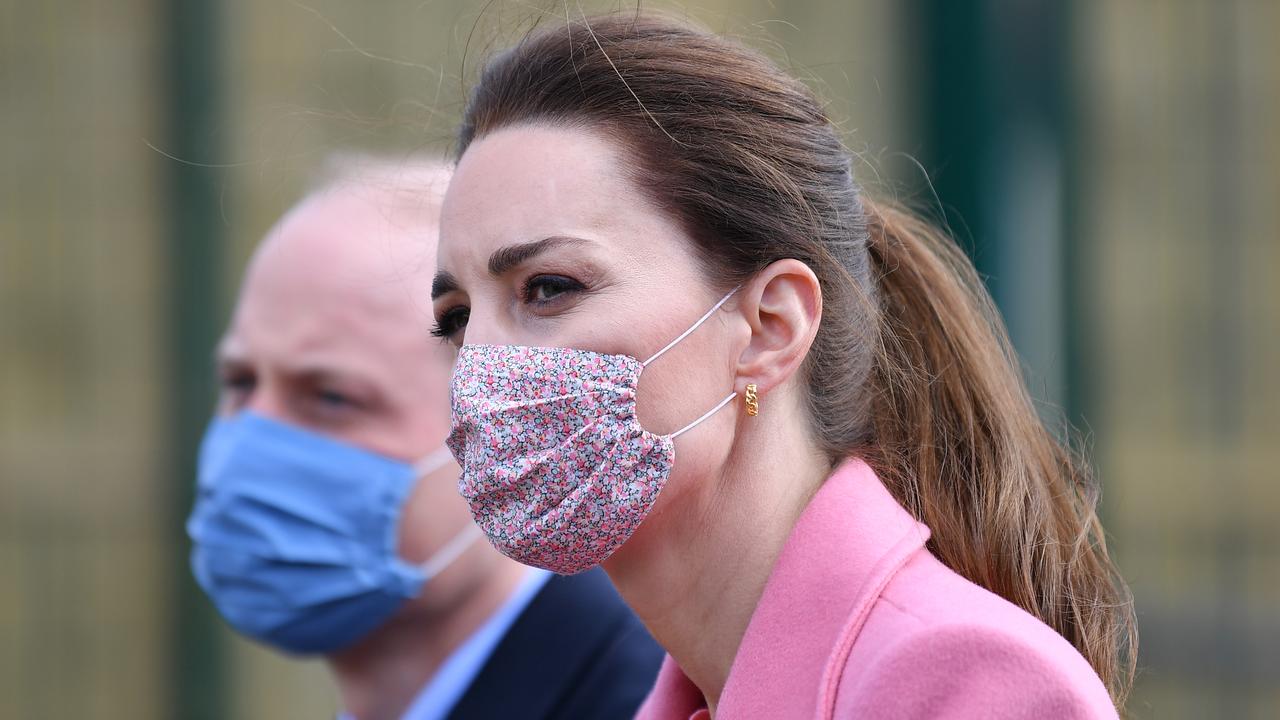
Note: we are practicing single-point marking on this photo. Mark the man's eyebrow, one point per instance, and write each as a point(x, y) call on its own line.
point(226, 354)
point(503, 259)
point(443, 282)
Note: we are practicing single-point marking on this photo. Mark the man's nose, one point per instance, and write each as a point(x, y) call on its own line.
point(267, 400)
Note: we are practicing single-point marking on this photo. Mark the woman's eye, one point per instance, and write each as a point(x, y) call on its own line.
point(545, 288)
point(451, 322)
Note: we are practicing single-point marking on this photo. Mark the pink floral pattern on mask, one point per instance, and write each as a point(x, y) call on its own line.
point(555, 466)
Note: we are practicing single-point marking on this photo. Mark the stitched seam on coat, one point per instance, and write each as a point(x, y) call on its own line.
point(885, 570)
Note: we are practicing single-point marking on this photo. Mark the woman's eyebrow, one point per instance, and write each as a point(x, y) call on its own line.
point(503, 259)
point(443, 282)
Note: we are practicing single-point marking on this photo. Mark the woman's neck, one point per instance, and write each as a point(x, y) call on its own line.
point(698, 570)
point(379, 677)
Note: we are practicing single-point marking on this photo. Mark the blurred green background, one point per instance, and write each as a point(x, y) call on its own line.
point(1113, 166)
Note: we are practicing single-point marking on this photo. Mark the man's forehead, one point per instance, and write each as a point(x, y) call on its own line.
point(330, 315)
point(339, 248)
point(332, 343)
point(361, 228)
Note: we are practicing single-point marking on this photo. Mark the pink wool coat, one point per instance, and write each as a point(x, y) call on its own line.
point(859, 620)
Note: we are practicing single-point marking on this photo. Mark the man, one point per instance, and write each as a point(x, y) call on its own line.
point(328, 520)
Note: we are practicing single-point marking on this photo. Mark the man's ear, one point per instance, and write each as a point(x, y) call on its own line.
point(782, 305)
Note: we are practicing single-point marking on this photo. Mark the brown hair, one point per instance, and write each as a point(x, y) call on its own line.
point(910, 370)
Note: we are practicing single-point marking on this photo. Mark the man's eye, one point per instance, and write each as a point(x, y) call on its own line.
point(545, 288)
point(332, 398)
point(235, 390)
point(237, 383)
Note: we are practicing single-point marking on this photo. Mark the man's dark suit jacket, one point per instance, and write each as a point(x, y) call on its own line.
point(575, 653)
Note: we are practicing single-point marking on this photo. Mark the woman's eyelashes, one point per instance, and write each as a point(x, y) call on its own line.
point(544, 293)
point(450, 322)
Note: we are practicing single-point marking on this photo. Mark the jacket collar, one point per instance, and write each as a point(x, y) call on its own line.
point(571, 620)
point(846, 545)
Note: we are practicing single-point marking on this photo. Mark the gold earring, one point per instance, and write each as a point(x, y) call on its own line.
point(752, 402)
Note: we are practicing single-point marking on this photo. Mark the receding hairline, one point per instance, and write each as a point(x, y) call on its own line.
point(413, 183)
point(403, 192)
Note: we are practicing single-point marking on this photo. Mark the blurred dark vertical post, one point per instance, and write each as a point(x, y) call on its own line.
point(956, 72)
point(996, 107)
point(1079, 294)
point(193, 107)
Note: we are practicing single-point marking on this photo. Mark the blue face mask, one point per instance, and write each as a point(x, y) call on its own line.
point(294, 534)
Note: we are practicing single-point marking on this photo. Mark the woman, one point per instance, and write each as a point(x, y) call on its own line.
point(828, 494)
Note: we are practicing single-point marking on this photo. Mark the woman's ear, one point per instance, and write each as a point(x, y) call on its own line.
point(783, 307)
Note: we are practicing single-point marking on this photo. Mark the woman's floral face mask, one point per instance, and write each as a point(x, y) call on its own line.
point(555, 465)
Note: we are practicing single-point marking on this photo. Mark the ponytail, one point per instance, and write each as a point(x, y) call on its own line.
point(958, 442)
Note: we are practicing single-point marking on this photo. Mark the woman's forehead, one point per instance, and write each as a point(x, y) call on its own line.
point(523, 184)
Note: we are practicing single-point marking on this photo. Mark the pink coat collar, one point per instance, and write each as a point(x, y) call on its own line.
point(843, 550)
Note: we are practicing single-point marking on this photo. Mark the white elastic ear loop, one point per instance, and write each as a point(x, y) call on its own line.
point(452, 550)
point(684, 335)
point(693, 327)
point(432, 462)
point(705, 415)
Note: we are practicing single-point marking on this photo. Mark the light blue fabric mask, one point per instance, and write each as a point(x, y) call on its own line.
point(294, 534)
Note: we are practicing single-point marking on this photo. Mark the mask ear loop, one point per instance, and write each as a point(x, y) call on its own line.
point(432, 462)
point(693, 327)
point(684, 335)
point(705, 415)
point(451, 551)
